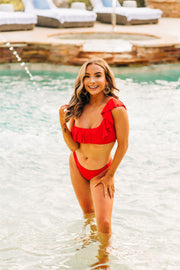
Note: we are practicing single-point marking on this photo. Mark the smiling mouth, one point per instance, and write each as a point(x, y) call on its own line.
point(93, 87)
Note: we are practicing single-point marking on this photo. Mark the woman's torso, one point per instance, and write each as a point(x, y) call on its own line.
point(95, 132)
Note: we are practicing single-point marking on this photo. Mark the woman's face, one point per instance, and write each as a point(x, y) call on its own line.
point(94, 79)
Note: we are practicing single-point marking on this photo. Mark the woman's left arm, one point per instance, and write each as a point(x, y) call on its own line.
point(121, 123)
point(122, 133)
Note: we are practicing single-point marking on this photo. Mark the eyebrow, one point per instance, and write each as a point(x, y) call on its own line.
point(99, 72)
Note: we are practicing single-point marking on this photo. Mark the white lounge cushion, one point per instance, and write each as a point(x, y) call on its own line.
point(62, 14)
point(67, 14)
point(131, 13)
point(17, 18)
point(142, 13)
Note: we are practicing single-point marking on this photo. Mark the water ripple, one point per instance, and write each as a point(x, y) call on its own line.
point(41, 224)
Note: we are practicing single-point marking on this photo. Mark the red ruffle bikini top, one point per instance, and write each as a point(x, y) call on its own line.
point(105, 132)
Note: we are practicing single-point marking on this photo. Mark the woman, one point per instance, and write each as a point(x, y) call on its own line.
point(97, 118)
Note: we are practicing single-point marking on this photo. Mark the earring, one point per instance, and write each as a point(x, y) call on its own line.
point(106, 90)
point(84, 91)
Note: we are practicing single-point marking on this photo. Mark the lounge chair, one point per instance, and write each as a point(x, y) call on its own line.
point(125, 15)
point(51, 16)
point(17, 20)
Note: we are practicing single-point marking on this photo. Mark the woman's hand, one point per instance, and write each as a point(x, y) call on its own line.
point(107, 182)
point(62, 113)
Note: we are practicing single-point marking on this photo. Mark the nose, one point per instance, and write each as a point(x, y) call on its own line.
point(92, 79)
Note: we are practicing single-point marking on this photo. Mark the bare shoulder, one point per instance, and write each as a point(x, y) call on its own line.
point(119, 113)
point(121, 123)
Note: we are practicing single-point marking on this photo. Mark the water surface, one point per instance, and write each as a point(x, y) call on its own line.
point(41, 225)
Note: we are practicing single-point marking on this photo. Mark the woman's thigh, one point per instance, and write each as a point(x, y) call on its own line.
point(103, 207)
point(81, 187)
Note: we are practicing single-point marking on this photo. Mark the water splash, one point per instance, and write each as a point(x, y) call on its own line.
point(22, 64)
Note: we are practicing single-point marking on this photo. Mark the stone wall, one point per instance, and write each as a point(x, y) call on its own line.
point(69, 54)
point(158, 54)
point(39, 53)
point(170, 8)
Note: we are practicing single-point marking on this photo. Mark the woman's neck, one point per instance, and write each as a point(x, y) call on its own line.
point(97, 100)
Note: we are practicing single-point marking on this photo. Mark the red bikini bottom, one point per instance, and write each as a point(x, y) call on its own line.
point(89, 174)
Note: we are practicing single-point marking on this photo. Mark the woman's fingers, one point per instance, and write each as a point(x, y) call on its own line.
point(99, 182)
point(64, 108)
point(107, 189)
point(62, 113)
point(111, 190)
point(104, 186)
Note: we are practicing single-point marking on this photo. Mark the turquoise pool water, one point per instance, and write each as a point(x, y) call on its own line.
point(41, 225)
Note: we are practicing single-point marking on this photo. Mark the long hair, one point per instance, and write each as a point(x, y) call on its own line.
point(80, 96)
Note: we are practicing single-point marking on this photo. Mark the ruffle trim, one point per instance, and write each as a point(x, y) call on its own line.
point(107, 115)
point(105, 132)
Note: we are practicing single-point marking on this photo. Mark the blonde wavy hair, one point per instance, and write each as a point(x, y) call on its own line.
point(80, 96)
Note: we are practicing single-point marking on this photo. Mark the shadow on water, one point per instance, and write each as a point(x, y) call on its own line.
point(95, 245)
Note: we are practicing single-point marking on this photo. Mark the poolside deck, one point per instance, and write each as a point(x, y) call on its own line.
point(41, 45)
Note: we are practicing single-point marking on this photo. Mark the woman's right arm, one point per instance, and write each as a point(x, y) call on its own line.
point(67, 131)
